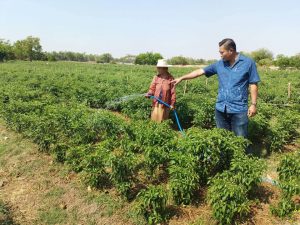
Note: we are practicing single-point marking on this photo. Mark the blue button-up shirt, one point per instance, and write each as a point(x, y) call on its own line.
point(233, 83)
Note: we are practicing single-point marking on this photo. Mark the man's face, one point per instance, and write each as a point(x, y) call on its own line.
point(225, 54)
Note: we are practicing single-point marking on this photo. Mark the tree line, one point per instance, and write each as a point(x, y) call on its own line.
point(31, 49)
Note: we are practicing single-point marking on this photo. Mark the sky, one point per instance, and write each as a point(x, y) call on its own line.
point(190, 28)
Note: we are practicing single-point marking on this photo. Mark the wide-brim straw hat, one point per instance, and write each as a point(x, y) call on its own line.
point(162, 63)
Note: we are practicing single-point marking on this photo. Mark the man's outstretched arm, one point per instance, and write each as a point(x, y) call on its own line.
point(192, 75)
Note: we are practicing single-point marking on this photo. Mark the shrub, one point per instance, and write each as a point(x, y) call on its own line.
point(148, 58)
point(228, 200)
point(289, 183)
point(152, 204)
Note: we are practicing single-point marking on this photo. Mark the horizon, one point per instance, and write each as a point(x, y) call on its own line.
point(190, 29)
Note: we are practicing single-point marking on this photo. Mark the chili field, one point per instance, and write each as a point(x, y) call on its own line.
point(94, 119)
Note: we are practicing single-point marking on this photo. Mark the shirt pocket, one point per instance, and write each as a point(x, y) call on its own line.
point(221, 95)
point(239, 94)
point(236, 94)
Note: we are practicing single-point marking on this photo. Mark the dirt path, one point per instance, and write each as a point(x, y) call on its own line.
point(40, 191)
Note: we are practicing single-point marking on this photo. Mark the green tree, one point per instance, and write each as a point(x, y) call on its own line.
point(5, 50)
point(282, 61)
point(192, 61)
point(260, 54)
point(265, 62)
point(28, 49)
point(148, 58)
point(91, 57)
point(50, 56)
point(246, 54)
point(104, 58)
point(295, 61)
point(127, 59)
point(178, 60)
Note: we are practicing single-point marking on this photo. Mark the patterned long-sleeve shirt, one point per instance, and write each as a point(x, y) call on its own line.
point(163, 89)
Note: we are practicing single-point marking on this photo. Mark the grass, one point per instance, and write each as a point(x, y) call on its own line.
point(10, 150)
point(109, 204)
point(53, 216)
point(46, 184)
point(6, 217)
point(198, 221)
point(55, 192)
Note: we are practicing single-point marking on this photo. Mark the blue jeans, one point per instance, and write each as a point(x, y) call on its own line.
point(236, 122)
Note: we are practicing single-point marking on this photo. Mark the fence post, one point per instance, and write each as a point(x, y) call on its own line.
point(289, 90)
point(185, 87)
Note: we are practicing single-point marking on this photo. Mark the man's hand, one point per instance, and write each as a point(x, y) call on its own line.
point(192, 75)
point(176, 81)
point(252, 111)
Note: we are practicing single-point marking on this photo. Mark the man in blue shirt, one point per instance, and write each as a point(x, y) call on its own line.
point(236, 73)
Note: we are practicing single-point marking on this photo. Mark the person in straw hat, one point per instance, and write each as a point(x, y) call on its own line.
point(162, 88)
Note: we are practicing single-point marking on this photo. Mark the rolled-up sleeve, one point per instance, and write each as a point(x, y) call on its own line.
point(210, 70)
point(152, 87)
point(253, 74)
point(173, 95)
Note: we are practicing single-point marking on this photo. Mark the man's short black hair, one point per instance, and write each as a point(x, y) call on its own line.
point(228, 43)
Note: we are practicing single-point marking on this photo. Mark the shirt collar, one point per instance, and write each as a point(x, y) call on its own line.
point(238, 58)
